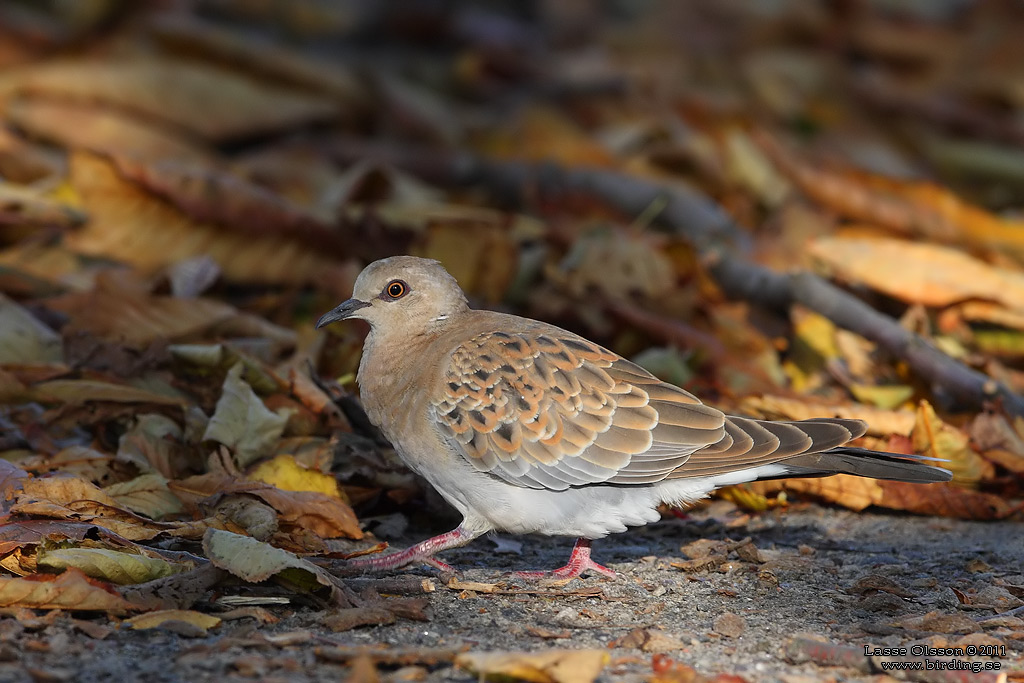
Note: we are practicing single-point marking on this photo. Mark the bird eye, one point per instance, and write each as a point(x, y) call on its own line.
point(396, 289)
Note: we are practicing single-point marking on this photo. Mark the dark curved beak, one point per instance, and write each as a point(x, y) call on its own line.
point(341, 312)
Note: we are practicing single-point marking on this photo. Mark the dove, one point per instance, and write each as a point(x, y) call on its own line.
point(524, 427)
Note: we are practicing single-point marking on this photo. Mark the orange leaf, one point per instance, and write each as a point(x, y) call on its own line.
point(69, 590)
point(87, 127)
point(918, 272)
point(910, 208)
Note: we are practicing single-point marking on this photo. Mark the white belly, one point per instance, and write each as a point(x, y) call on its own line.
point(489, 503)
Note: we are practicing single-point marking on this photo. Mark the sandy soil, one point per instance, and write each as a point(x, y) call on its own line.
point(852, 578)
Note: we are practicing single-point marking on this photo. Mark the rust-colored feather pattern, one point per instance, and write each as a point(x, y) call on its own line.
point(546, 409)
point(553, 411)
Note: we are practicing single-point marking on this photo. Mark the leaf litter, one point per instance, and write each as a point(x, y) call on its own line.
point(182, 197)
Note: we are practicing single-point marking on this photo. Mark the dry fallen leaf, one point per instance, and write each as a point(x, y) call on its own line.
point(936, 439)
point(242, 422)
point(286, 474)
point(104, 131)
point(545, 666)
point(214, 103)
point(71, 590)
point(256, 561)
point(160, 617)
point(109, 565)
point(919, 272)
point(130, 224)
point(147, 495)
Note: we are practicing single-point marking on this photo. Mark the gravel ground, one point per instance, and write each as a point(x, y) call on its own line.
point(852, 578)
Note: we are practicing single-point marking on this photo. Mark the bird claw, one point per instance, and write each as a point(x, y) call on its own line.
point(579, 562)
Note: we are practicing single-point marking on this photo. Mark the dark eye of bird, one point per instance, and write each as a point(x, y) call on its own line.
point(396, 289)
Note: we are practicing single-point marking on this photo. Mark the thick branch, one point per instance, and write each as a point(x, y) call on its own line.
point(699, 219)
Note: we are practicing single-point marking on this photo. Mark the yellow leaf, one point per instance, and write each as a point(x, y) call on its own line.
point(158, 618)
point(550, 666)
point(886, 397)
point(745, 498)
point(936, 439)
point(108, 565)
point(287, 474)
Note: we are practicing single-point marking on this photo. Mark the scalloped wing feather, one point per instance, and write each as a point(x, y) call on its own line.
point(547, 409)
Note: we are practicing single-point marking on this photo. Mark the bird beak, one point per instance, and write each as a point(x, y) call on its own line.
point(341, 312)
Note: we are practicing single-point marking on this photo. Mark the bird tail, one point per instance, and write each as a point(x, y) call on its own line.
point(864, 463)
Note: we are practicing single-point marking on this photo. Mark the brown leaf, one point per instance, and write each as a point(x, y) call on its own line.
point(136, 319)
point(189, 35)
point(147, 495)
point(209, 196)
point(69, 590)
point(216, 104)
point(134, 226)
point(326, 516)
point(104, 131)
point(944, 500)
point(27, 208)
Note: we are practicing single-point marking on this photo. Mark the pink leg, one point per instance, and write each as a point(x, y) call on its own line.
point(578, 563)
point(421, 552)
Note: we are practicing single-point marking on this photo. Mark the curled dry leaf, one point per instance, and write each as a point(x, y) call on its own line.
point(103, 131)
point(216, 104)
point(70, 590)
point(242, 422)
point(108, 565)
point(153, 445)
point(546, 666)
point(132, 225)
point(255, 561)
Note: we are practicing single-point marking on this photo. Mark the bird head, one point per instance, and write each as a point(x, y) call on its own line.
point(402, 292)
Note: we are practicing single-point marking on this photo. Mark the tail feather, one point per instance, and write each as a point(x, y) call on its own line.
point(864, 463)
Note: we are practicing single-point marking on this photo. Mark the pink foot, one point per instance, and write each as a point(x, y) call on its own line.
point(578, 563)
point(422, 552)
